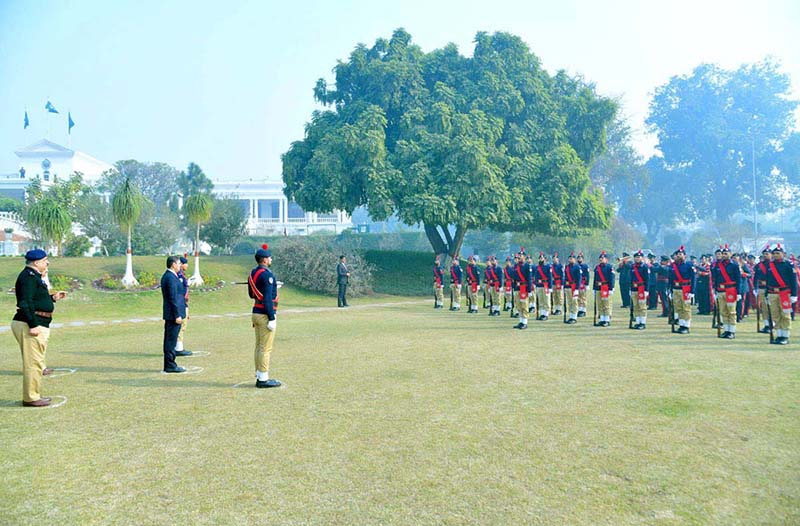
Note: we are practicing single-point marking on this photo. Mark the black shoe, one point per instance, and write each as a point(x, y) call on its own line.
point(542, 318)
point(523, 327)
point(183, 353)
point(763, 330)
point(683, 330)
point(517, 326)
point(515, 315)
point(175, 369)
point(729, 336)
point(267, 383)
point(606, 324)
point(641, 327)
point(581, 314)
point(456, 308)
point(571, 321)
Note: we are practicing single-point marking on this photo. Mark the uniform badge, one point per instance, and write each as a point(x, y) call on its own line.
point(270, 281)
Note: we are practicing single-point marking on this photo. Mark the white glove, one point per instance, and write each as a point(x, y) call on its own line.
point(271, 324)
point(756, 292)
point(647, 294)
point(575, 294)
point(793, 299)
point(738, 297)
point(690, 296)
point(479, 287)
point(280, 283)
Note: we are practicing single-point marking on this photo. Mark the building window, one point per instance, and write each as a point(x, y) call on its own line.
point(295, 212)
point(245, 204)
point(269, 209)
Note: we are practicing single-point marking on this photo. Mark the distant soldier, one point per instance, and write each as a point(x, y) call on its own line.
point(703, 277)
point(726, 284)
point(493, 283)
point(652, 283)
point(572, 287)
point(662, 283)
point(473, 285)
point(543, 280)
point(796, 266)
point(603, 286)
point(682, 282)
point(179, 349)
point(507, 284)
point(456, 275)
point(624, 269)
point(438, 284)
point(640, 278)
point(531, 291)
point(760, 283)
point(782, 294)
point(558, 284)
point(750, 298)
point(583, 291)
point(522, 283)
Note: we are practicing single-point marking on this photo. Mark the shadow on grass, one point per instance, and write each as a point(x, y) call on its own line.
point(116, 354)
point(10, 373)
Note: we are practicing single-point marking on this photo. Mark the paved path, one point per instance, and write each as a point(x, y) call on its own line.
point(94, 323)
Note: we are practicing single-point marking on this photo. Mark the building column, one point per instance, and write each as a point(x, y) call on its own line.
point(282, 208)
point(253, 209)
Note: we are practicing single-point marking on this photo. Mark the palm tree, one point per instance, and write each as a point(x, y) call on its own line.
point(52, 218)
point(127, 206)
point(198, 211)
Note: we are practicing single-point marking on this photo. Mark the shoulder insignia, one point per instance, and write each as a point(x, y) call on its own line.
point(270, 279)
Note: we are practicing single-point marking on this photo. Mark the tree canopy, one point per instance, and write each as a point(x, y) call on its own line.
point(713, 126)
point(454, 142)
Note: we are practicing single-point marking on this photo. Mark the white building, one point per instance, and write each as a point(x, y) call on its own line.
point(266, 207)
point(270, 212)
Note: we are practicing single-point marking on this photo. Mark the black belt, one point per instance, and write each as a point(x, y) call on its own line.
point(43, 314)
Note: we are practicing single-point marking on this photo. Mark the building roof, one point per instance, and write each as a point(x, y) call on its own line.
point(44, 147)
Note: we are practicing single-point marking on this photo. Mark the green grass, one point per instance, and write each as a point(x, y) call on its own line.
point(402, 273)
point(405, 415)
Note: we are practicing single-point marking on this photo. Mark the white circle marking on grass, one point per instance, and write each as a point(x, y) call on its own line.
point(63, 371)
point(18, 405)
point(197, 353)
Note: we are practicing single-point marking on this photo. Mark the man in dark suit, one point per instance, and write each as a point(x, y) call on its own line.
point(342, 277)
point(173, 312)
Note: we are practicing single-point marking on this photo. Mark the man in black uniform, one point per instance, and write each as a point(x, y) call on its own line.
point(652, 283)
point(624, 270)
point(662, 283)
point(31, 324)
point(342, 277)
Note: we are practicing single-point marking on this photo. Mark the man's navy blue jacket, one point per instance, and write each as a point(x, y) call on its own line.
point(174, 305)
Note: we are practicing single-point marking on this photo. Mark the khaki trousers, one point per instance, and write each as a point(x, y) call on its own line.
point(582, 295)
point(183, 329)
point(727, 312)
point(456, 290)
point(494, 294)
point(558, 299)
point(472, 297)
point(522, 307)
point(782, 320)
point(639, 306)
point(33, 349)
point(603, 304)
point(683, 308)
point(438, 292)
point(543, 299)
point(572, 300)
point(264, 338)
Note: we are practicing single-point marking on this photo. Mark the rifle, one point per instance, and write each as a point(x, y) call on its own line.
point(564, 293)
point(631, 317)
point(758, 314)
point(717, 317)
point(484, 294)
point(451, 297)
point(769, 317)
point(671, 313)
point(594, 318)
point(511, 312)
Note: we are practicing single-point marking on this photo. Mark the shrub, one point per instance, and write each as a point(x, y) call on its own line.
point(401, 273)
point(310, 263)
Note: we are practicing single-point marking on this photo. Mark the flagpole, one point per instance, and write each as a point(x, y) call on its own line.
point(69, 130)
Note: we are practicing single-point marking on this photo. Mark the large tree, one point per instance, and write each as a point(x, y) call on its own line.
point(127, 206)
point(714, 127)
point(453, 142)
point(157, 181)
point(226, 226)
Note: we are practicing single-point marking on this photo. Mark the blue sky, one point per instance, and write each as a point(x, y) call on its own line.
point(228, 85)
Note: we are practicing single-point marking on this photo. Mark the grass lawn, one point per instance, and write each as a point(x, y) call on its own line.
point(405, 415)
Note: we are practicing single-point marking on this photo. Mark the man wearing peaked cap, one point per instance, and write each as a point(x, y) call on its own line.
point(652, 283)
point(726, 284)
point(583, 290)
point(603, 285)
point(543, 281)
point(263, 289)
point(507, 284)
point(640, 277)
point(438, 284)
point(572, 286)
point(473, 285)
point(558, 284)
point(624, 270)
point(782, 294)
point(184, 260)
point(521, 274)
point(760, 287)
point(682, 283)
point(31, 324)
point(456, 275)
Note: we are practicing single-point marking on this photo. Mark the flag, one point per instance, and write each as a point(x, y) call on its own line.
point(49, 107)
point(70, 122)
point(27, 122)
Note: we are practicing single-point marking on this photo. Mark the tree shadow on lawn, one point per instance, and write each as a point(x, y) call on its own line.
point(10, 373)
point(116, 354)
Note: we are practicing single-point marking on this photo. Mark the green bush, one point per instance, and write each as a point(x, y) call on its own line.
point(62, 282)
point(401, 273)
point(310, 263)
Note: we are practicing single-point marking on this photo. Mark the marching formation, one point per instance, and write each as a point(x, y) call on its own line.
point(724, 285)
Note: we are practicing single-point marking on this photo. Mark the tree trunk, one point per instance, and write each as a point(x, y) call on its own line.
point(129, 280)
point(442, 242)
point(196, 280)
point(435, 238)
point(458, 240)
